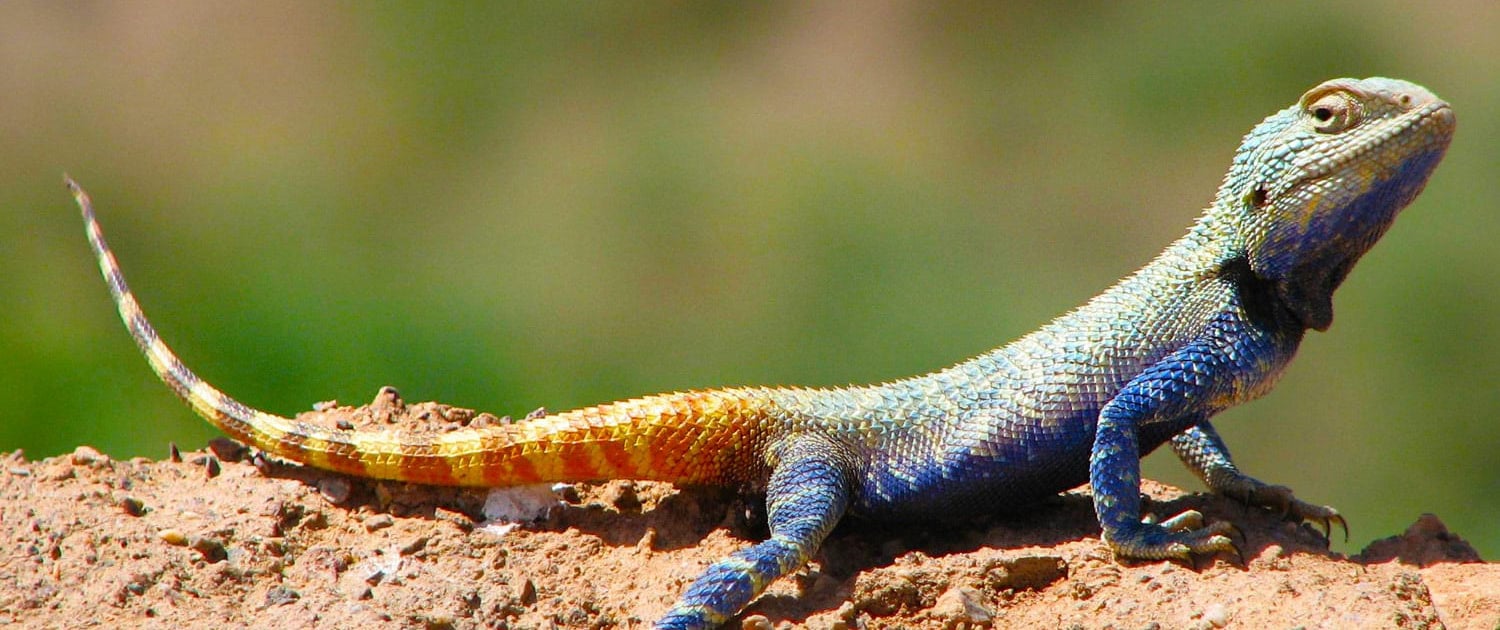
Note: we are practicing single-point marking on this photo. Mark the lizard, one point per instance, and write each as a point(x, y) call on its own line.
point(1211, 322)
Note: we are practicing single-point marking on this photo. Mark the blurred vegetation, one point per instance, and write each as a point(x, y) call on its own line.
point(504, 206)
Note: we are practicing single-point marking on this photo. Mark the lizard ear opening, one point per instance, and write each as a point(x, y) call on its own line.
point(1256, 198)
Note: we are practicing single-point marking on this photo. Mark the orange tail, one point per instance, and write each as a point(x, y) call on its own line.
point(691, 437)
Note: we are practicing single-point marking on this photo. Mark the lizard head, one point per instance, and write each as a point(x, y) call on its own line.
point(1315, 185)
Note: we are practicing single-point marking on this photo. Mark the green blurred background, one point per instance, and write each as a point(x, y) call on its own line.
point(505, 206)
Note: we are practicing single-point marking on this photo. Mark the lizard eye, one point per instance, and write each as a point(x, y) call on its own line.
point(1333, 112)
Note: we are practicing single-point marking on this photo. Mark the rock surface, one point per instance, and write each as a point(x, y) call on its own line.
point(91, 541)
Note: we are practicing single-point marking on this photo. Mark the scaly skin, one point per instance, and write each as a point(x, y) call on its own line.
point(1208, 324)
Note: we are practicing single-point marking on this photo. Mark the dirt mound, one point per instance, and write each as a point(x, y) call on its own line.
point(217, 539)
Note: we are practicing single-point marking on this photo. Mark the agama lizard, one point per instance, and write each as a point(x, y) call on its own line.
point(1208, 324)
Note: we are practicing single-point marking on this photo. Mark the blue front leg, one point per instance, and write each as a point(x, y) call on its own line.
point(1175, 389)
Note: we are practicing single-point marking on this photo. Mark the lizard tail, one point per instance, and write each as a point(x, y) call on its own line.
point(686, 437)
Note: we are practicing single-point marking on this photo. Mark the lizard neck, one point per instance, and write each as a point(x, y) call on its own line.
point(1142, 318)
point(1200, 278)
point(1177, 293)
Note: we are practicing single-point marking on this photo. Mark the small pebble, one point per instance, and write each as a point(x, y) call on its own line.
point(379, 521)
point(325, 405)
point(335, 489)
point(647, 541)
point(211, 467)
point(259, 461)
point(1217, 615)
point(315, 519)
point(436, 621)
point(173, 453)
point(227, 449)
point(527, 592)
point(757, 622)
point(626, 498)
point(132, 506)
point(172, 537)
point(281, 595)
point(962, 607)
point(344, 424)
point(414, 546)
point(212, 550)
point(847, 611)
point(86, 455)
point(458, 519)
point(387, 394)
point(539, 412)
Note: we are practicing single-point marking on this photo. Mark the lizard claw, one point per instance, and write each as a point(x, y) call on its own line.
point(1179, 537)
point(1236, 534)
point(1335, 518)
point(1282, 500)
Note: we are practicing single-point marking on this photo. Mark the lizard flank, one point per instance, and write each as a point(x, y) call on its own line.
point(1209, 323)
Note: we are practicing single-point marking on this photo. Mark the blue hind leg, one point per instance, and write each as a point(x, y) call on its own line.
point(808, 493)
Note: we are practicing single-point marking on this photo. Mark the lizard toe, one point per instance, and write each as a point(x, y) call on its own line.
point(1283, 501)
point(1178, 538)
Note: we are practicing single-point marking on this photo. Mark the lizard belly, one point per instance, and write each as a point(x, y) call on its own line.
point(978, 465)
point(995, 471)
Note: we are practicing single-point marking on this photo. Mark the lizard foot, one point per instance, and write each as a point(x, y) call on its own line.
point(1280, 499)
point(1178, 537)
